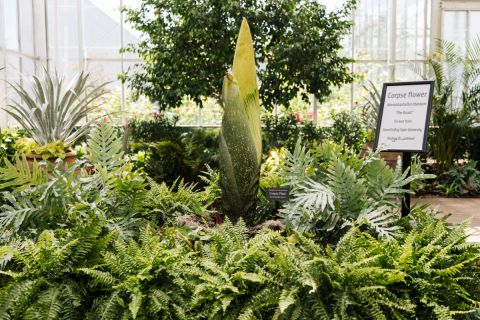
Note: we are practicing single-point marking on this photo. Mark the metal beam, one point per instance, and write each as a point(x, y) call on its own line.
point(436, 24)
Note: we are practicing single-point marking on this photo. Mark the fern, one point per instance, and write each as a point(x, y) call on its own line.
point(180, 199)
point(347, 187)
point(344, 189)
point(44, 287)
point(21, 175)
point(313, 195)
point(105, 148)
point(136, 278)
point(382, 220)
point(297, 165)
point(211, 179)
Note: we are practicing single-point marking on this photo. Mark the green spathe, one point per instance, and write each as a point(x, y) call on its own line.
point(240, 137)
point(244, 71)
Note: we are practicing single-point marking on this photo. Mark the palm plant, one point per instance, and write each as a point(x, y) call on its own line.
point(370, 109)
point(456, 101)
point(52, 112)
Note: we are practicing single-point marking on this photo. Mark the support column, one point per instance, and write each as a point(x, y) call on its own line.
point(3, 63)
point(40, 34)
point(315, 110)
point(392, 37)
point(82, 57)
point(436, 24)
point(122, 56)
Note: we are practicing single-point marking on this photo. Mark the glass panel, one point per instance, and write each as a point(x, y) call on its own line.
point(102, 28)
point(130, 35)
point(67, 68)
point(2, 27)
point(409, 71)
point(333, 4)
point(103, 71)
point(188, 113)
point(3, 86)
point(26, 27)
point(63, 30)
point(370, 31)
point(12, 74)
point(11, 24)
point(455, 27)
point(340, 99)
point(28, 67)
point(106, 71)
point(474, 24)
point(12, 69)
point(63, 42)
point(377, 73)
point(474, 35)
point(410, 29)
point(211, 113)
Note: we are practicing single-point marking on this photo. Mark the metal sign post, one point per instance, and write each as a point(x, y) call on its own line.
point(406, 165)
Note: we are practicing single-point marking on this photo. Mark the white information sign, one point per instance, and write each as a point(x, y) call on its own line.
point(404, 116)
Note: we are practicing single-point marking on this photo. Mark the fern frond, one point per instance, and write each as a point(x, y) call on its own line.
point(297, 165)
point(382, 220)
point(105, 147)
point(313, 195)
point(347, 187)
point(20, 175)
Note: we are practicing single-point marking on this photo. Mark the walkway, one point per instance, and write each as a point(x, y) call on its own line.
point(460, 209)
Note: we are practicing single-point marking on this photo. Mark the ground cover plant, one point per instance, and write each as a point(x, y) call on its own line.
point(109, 245)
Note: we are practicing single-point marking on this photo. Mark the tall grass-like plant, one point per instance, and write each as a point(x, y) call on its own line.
point(52, 111)
point(240, 137)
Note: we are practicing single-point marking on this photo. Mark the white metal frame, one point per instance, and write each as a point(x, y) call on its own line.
point(46, 44)
point(438, 9)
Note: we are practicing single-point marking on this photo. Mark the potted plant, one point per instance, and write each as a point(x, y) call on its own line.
point(54, 115)
point(369, 118)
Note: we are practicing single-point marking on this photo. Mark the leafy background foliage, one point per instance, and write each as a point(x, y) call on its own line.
point(194, 41)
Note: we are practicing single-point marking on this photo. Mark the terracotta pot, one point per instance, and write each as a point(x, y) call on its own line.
point(70, 158)
point(389, 157)
point(365, 149)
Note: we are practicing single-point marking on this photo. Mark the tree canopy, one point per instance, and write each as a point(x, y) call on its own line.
point(186, 46)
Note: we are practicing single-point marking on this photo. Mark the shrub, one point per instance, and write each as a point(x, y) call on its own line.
point(334, 186)
point(455, 103)
point(100, 246)
point(8, 139)
point(347, 128)
point(474, 146)
point(165, 161)
point(185, 156)
point(161, 127)
point(284, 131)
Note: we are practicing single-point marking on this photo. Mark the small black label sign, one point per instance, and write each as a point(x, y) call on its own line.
point(277, 194)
